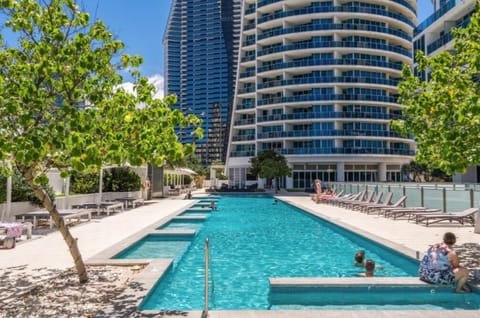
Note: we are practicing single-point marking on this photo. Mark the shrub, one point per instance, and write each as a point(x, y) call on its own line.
point(20, 190)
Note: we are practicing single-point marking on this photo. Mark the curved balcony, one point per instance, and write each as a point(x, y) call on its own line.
point(336, 27)
point(266, 2)
point(345, 150)
point(328, 133)
point(336, 44)
point(328, 97)
point(329, 79)
point(329, 115)
point(334, 9)
point(402, 2)
point(321, 62)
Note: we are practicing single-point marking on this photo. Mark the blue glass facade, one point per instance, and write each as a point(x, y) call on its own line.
point(201, 47)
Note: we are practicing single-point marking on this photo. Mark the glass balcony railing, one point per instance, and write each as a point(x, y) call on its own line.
point(336, 26)
point(248, 43)
point(248, 58)
point(243, 122)
point(328, 97)
point(246, 90)
point(247, 74)
point(318, 61)
point(327, 151)
point(329, 79)
point(246, 153)
point(326, 115)
point(325, 9)
point(266, 2)
point(243, 138)
point(342, 150)
point(250, 10)
point(249, 27)
point(245, 106)
point(328, 133)
point(336, 44)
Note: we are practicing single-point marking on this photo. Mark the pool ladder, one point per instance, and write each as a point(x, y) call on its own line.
point(205, 310)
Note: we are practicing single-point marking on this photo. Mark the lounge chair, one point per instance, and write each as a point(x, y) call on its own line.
point(408, 211)
point(381, 209)
point(378, 199)
point(347, 198)
point(367, 199)
point(356, 198)
point(466, 216)
point(372, 206)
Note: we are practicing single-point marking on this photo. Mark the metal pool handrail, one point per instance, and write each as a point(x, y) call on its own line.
point(205, 310)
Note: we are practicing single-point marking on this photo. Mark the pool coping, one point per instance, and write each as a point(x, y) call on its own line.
point(142, 284)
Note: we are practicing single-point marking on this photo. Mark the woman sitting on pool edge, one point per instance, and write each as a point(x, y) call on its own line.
point(440, 265)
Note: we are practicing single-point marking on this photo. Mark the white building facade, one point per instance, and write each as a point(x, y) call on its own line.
point(317, 82)
point(434, 35)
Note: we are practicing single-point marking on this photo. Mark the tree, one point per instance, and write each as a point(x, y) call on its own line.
point(270, 165)
point(60, 105)
point(443, 113)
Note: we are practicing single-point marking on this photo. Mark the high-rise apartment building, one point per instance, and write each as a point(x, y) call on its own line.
point(317, 82)
point(434, 35)
point(201, 46)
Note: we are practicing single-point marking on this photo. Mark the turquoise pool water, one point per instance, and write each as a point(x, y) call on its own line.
point(193, 224)
point(252, 240)
point(157, 246)
point(373, 297)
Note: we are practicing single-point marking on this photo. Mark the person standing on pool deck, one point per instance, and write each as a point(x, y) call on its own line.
point(440, 265)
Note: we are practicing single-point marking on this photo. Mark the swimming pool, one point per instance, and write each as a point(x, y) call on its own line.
point(252, 240)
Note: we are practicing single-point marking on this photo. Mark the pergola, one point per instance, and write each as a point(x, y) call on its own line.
point(179, 174)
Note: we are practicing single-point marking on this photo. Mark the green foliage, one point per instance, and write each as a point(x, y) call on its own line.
point(443, 113)
point(114, 180)
point(268, 164)
point(122, 180)
point(420, 172)
point(83, 182)
point(21, 192)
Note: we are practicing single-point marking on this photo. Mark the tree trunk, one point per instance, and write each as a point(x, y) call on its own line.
point(43, 196)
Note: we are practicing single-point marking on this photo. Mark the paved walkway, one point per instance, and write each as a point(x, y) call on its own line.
point(406, 234)
point(48, 255)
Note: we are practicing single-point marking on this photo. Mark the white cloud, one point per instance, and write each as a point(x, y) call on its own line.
point(157, 81)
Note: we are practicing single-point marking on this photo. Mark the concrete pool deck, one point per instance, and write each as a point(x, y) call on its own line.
point(51, 255)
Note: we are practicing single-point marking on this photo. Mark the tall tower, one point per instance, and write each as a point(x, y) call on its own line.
point(201, 47)
point(317, 82)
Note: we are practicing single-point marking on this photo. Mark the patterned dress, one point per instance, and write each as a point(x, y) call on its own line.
point(435, 267)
